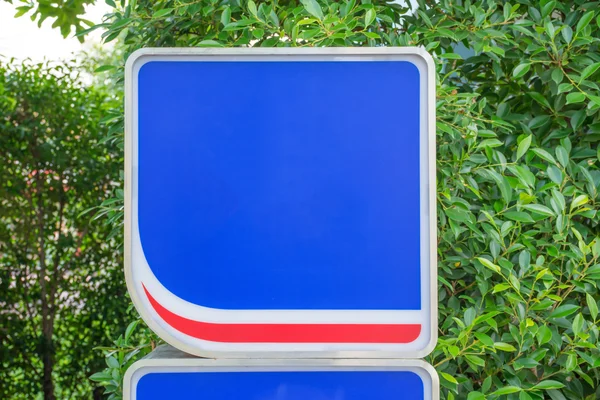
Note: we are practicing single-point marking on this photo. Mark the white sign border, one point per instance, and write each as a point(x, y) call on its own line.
point(228, 350)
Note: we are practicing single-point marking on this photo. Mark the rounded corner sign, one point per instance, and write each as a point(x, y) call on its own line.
point(265, 380)
point(280, 202)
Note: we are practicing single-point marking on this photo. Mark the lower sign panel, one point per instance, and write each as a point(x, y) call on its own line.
point(230, 379)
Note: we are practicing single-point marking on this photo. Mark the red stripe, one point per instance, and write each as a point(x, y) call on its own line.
point(288, 333)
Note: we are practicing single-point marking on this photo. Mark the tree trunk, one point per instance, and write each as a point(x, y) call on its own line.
point(48, 383)
point(48, 362)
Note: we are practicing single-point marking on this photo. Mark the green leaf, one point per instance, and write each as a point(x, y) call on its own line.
point(369, 17)
point(514, 282)
point(577, 119)
point(526, 177)
point(506, 390)
point(592, 305)
point(209, 43)
point(470, 315)
point(540, 209)
point(484, 339)
point(562, 156)
point(101, 377)
point(564, 311)
point(130, 328)
point(348, 7)
point(252, 8)
point(577, 324)
point(544, 335)
point(475, 360)
point(451, 56)
point(21, 11)
point(371, 35)
point(525, 362)
point(239, 24)
point(544, 155)
point(557, 75)
point(112, 362)
point(487, 263)
point(162, 12)
point(504, 346)
point(571, 363)
point(565, 87)
point(567, 34)
point(548, 384)
point(521, 70)
point(584, 21)
point(449, 378)
point(576, 97)
point(476, 396)
point(458, 214)
point(579, 201)
point(518, 216)
point(525, 396)
point(555, 174)
point(119, 23)
point(539, 98)
point(93, 28)
point(226, 16)
point(104, 68)
point(523, 146)
point(313, 8)
point(501, 287)
point(491, 143)
point(589, 71)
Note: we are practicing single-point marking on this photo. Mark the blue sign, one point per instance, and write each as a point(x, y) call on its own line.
point(281, 201)
point(225, 381)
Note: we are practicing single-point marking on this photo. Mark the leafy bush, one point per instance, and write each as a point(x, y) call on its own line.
point(61, 287)
point(518, 176)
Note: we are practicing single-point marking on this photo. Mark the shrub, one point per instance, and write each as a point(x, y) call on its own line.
point(518, 177)
point(61, 286)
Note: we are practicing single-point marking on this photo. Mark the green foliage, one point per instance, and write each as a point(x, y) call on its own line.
point(137, 341)
point(61, 286)
point(65, 14)
point(518, 177)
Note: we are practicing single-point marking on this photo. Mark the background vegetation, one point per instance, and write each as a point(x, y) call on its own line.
point(61, 290)
point(518, 177)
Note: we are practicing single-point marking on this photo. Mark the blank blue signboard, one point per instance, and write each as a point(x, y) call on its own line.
point(281, 201)
point(183, 382)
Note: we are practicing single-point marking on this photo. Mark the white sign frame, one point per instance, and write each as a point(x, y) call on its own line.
point(134, 256)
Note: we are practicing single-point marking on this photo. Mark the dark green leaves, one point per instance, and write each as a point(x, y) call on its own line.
point(162, 13)
point(523, 146)
point(519, 216)
point(567, 33)
point(575, 97)
point(507, 390)
point(564, 311)
point(589, 71)
point(539, 209)
point(584, 21)
point(592, 306)
point(521, 70)
point(313, 7)
point(459, 214)
point(369, 17)
point(549, 384)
